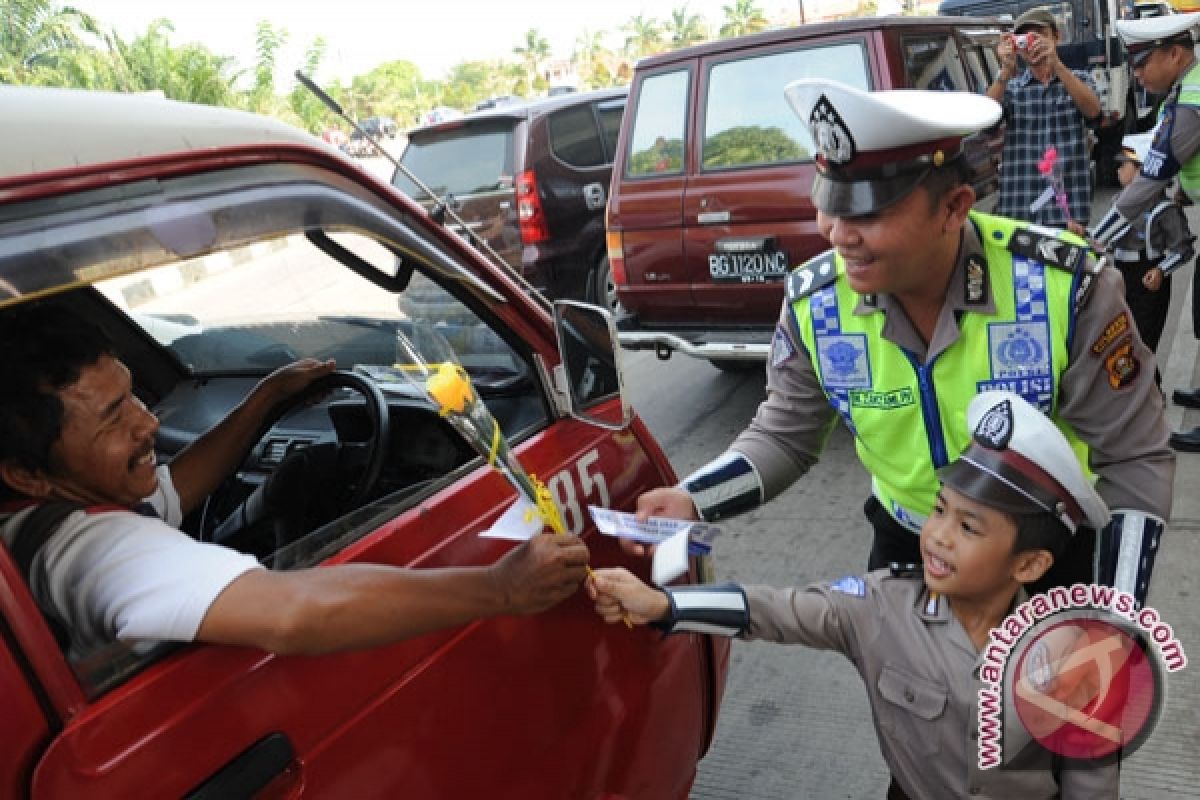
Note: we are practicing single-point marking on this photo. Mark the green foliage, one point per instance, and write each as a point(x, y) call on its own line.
point(742, 18)
point(685, 29)
point(38, 41)
point(751, 144)
point(644, 36)
point(665, 157)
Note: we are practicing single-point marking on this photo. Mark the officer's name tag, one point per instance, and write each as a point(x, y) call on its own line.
point(655, 530)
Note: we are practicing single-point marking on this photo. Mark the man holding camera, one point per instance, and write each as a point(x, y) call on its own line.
point(1045, 105)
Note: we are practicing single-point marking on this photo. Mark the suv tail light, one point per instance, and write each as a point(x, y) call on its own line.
point(529, 210)
point(616, 256)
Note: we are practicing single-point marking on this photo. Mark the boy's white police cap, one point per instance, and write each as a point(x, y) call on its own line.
point(1134, 147)
point(873, 148)
point(1020, 462)
point(1142, 36)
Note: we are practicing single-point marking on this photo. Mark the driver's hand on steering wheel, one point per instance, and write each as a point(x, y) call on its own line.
point(295, 377)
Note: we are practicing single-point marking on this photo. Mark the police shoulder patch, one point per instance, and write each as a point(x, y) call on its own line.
point(850, 584)
point(1048, 248)
point(816, 274)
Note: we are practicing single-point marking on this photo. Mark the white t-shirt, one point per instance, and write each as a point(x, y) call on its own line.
point(111, 573)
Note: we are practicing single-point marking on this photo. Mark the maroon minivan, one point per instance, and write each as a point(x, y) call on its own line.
point(710, 196)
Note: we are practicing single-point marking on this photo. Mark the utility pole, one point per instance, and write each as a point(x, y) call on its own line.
point(802, 20)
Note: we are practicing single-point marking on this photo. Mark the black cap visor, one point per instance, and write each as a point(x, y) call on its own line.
point(986, 486)
point(844, 197)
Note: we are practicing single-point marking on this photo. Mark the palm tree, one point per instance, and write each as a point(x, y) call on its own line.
point(533, 53)
point(644, 36)
point(741, 18)
point(685, 29)
point(35, 38)
point(589, 56)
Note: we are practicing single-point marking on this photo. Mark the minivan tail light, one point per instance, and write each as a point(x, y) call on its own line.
point(616, 256)
point(529, 210)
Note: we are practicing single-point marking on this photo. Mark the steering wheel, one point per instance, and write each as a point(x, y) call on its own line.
point(313, 477)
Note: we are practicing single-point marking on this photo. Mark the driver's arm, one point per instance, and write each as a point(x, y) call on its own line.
point(202, 465)
point(351, 606)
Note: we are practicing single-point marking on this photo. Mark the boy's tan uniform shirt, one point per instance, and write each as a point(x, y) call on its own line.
point(920, 671)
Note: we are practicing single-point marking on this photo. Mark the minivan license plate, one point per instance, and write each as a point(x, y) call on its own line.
point(760, 267)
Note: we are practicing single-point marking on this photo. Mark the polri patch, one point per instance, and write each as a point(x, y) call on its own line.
point(1122, 365)
point(1112, 331)
point(782, 350)
point(844, 361)
point(850, 584)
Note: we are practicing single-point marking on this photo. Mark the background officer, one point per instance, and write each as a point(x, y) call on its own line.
point(1007, 507)
point(1164, 62)
point(921, 304)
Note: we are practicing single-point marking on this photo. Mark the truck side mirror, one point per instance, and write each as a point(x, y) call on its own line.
point(590, 374)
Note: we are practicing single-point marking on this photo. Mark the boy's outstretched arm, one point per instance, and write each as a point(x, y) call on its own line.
point(721, 610)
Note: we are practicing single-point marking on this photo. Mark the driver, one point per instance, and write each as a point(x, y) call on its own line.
point(115, 566)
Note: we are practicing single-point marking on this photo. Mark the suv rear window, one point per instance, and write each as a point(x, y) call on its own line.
point(656, 142)
point(461, 160)
point(747, 120)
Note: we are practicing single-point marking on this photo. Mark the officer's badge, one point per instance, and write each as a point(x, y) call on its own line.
point(996, 426)
point(1122, 365)
point(976, 288)
point(833, 140)
point(851, 585)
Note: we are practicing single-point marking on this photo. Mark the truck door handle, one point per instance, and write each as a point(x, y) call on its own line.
point(250, 771)
point(712, 217)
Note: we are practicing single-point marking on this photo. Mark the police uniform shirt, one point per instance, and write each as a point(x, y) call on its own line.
point(920, 669)
point(1124, 427)
point(1143, 192)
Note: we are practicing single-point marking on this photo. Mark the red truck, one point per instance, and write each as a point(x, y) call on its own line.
point(212, 246)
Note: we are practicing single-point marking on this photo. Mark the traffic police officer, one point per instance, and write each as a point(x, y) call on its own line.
point(921, 304)
point(917, 637)
point(1164, 61)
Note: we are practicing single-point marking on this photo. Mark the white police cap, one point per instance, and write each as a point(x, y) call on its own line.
point(1020, 462)
point(1142, 36)
point(873, 148)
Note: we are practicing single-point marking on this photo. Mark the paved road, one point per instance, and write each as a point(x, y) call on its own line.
point(795, 722)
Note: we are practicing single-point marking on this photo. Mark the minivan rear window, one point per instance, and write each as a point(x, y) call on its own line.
point(460, 161)
point(747, 120)
point(574, 137)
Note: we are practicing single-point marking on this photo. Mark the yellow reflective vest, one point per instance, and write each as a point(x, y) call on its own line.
point(909, 418)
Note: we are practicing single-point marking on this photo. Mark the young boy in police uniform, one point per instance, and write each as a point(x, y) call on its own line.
point(1005, 509)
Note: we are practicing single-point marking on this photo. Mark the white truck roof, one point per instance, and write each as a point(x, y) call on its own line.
point(48, 129)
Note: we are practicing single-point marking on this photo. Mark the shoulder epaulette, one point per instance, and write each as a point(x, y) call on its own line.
point(1048, 249)
point(816, 274)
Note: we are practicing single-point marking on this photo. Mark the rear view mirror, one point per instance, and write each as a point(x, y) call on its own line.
point(591, 367)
